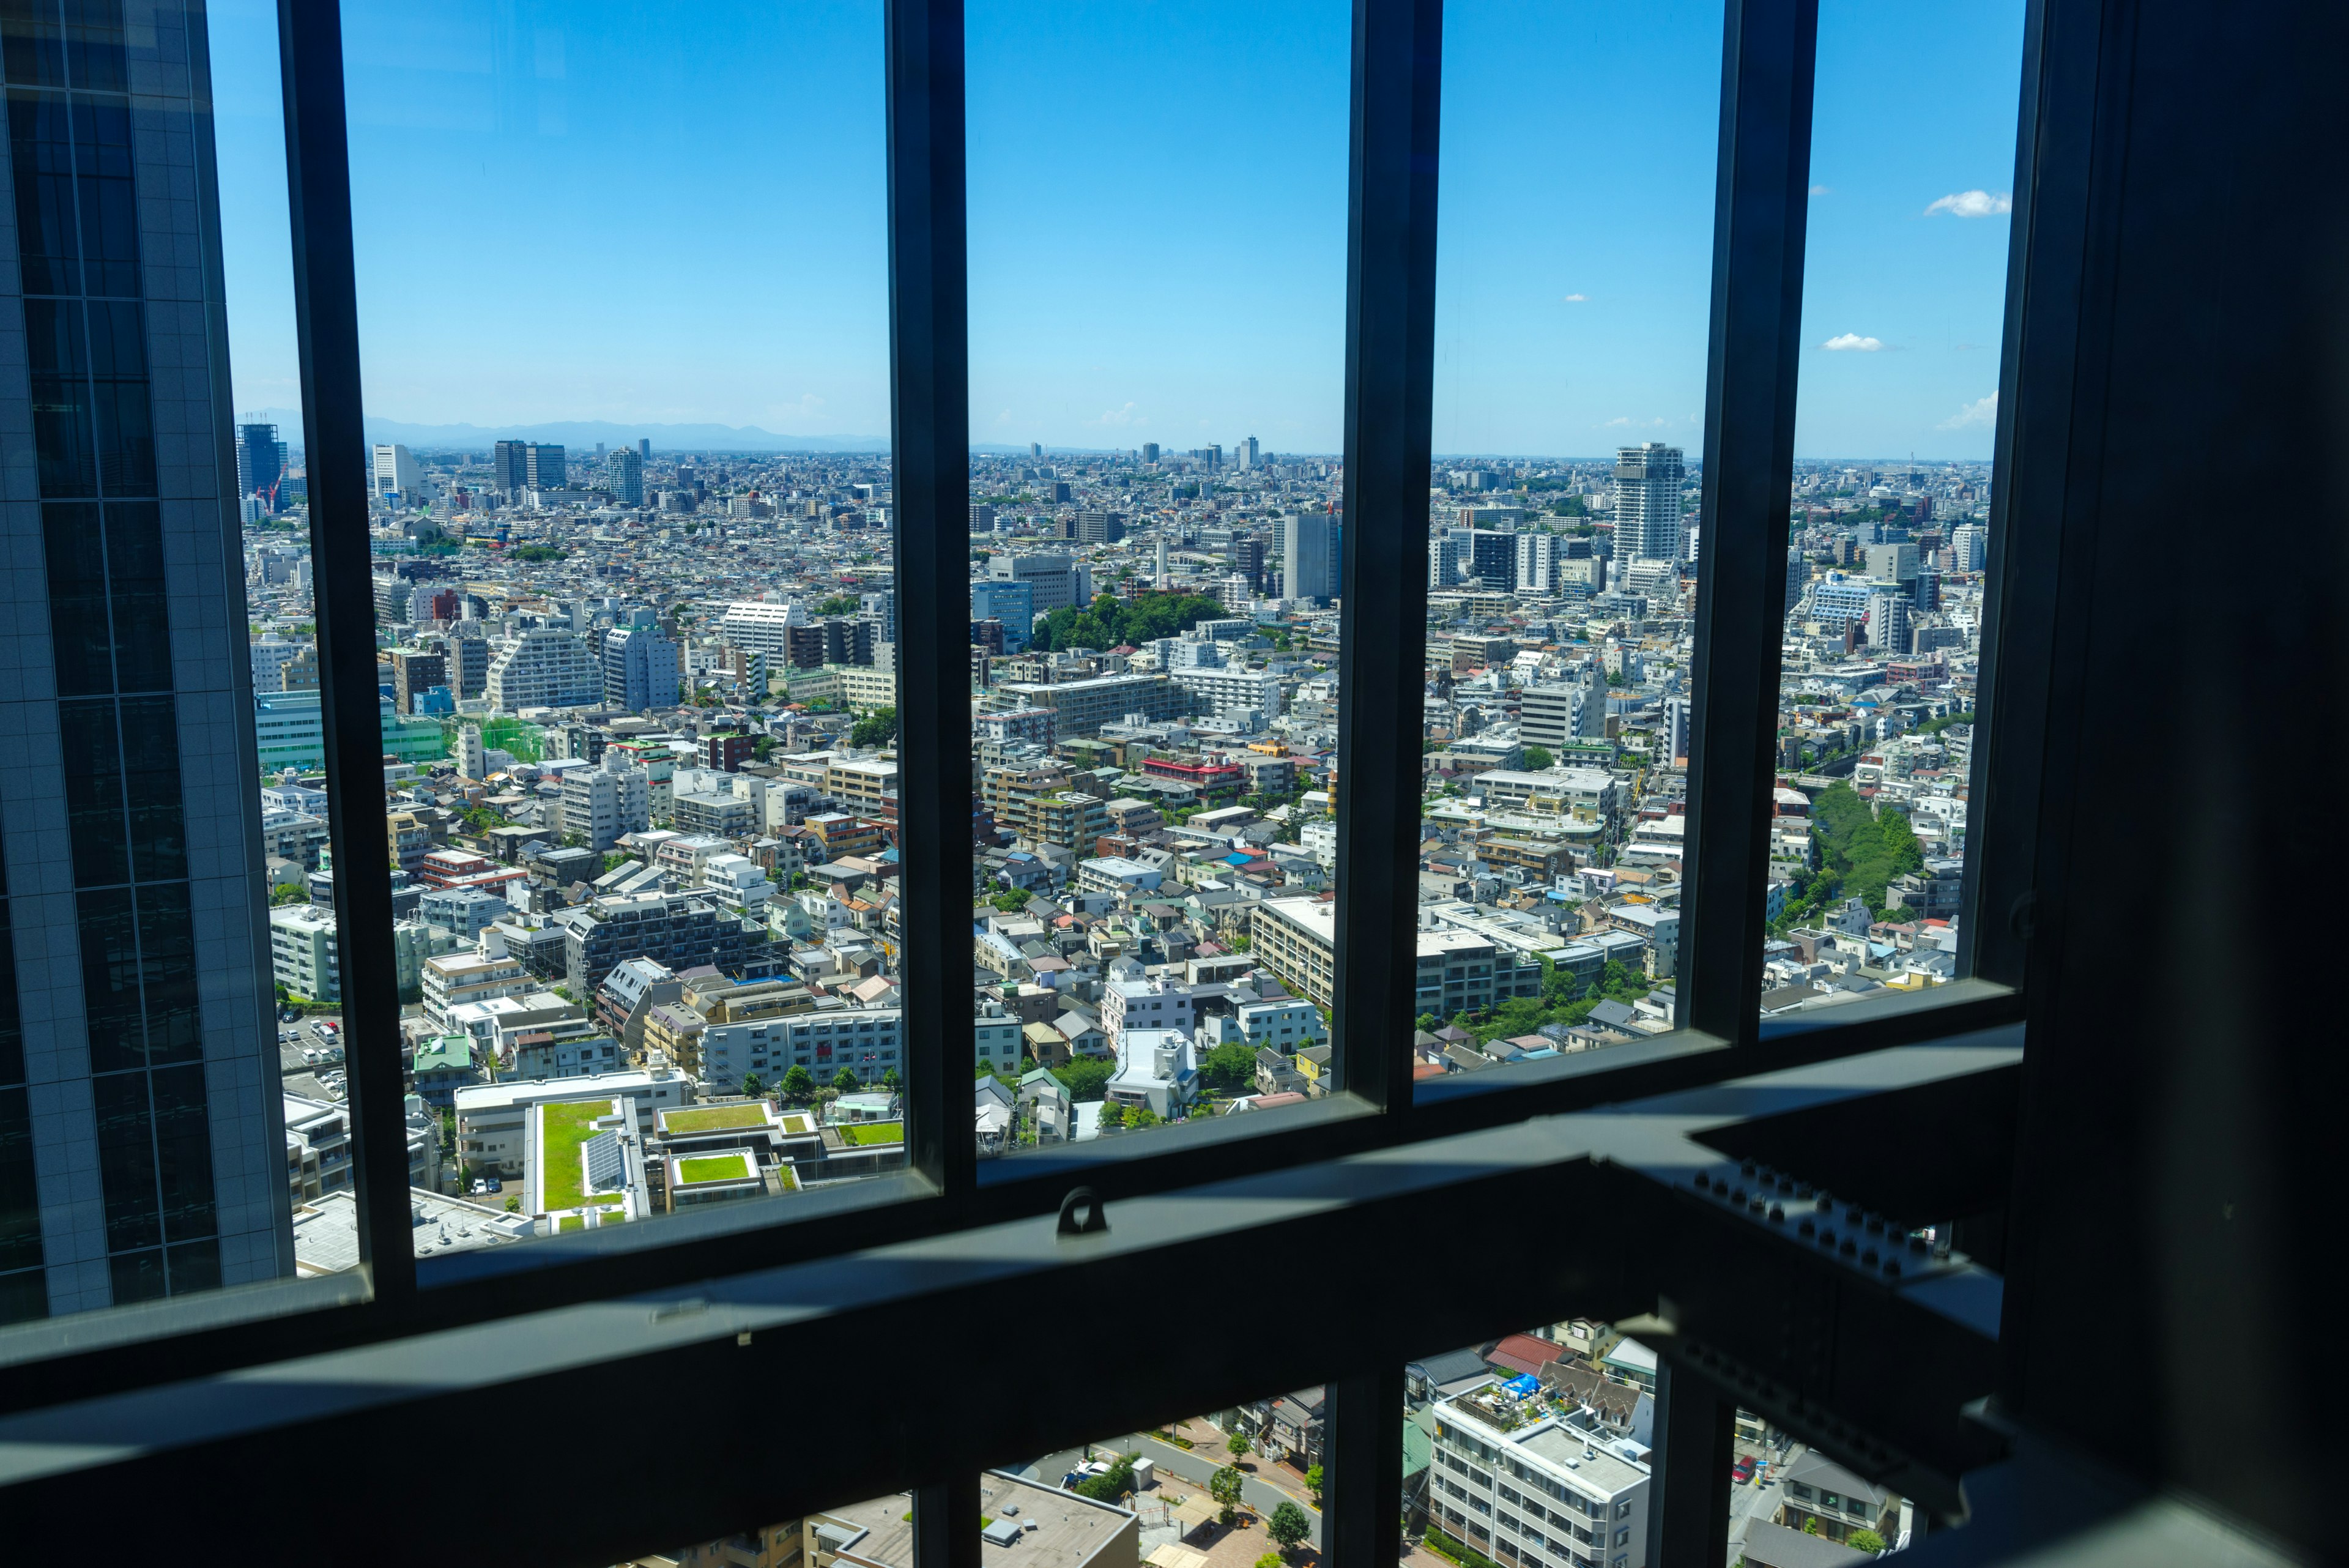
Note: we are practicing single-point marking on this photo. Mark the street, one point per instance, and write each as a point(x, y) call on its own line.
point(1760, 1500)
point(1192, 1465)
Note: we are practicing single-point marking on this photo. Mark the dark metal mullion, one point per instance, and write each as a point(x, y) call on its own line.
point(2039, 402)
point(945, 1522)
point(930, 447)
point(1361, 1521)
point(1761, 208)
point(1390, 390)
point(1688, 1500)
point(334, 439)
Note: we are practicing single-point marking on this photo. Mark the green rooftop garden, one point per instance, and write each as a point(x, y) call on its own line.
point(716, 1118)
point(714, 1168)
point(563, 1129)
point(796, 1124)
point(871, 1132)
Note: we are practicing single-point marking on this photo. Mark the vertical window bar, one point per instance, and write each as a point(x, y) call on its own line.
point(946, 1523)
point(1696, 1442)
point(1389, 414)
point(929, 441)
point(2030, 475)
point(318, 179)
point(1761, 209)
point(1362, 1519)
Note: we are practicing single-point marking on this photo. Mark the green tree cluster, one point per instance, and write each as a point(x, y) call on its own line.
point(1226, 1484)
point(1009, 902)
point(877, 728)
point(839, 604)
point(1112, 1483)
point(1229, 1069)
point(1538, 758)
point(1113, 622)
point(798, 1086)
point(1864, 848)
point(1085, 1077)
point(1289, 1525)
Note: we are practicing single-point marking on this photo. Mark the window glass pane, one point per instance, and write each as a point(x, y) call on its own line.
point(1157, 386)
point(623, 467)
point(1903, 311)
point(1533, 1451)
point(1573, 277)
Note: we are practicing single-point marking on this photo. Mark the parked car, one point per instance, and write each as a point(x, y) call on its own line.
point(1743, 1471)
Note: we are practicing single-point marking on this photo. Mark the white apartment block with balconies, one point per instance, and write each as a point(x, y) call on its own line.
point(545, 668)
point(1544, 1494)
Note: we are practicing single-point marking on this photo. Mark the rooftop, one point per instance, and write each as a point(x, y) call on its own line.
point(712, 1118)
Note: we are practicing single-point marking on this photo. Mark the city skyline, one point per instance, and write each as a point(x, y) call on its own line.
point(1179, 275)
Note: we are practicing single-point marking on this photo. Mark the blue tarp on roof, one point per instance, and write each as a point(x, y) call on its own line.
point(1523, 1384)
point(1238, 860)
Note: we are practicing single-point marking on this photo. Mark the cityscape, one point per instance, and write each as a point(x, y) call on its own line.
point(641, 785)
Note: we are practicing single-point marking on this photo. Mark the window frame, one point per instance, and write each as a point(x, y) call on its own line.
point(946, 1197)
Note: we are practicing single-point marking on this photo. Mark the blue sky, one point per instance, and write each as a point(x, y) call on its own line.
point(580, 211)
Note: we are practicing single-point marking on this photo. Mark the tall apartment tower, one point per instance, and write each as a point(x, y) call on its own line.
point(1648, 501)
point(623, 475)
point(142, 1149)
point(1246, 453)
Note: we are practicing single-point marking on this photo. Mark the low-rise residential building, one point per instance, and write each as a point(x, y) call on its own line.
point(490, 1116)
point(1539, 1492)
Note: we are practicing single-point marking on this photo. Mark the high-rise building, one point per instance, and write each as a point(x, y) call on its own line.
point(1307, 569)
point(1538, 562)
point(1246, 453)
point(135, 1000)
point(1969, 548)
point(543, 467)
point(623, 475)
point(644, 449)
point(544, 668)
point(414, 671)
point(982, 517)
point(395, 473)
point(1055, 581)
point(1035, 448)
point(509, 467)
point(1648, 501)
point(1150, 451)
point(260, 458)
point(1491, 559)
point(639, 664)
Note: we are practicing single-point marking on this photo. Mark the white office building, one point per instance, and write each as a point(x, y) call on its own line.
point(1229, 691)
point(759, 626)
point(602, 803)
point(395, 473)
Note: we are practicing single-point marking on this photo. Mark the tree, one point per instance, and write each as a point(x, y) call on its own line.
point(1237, 1444)
point(1112, 1483)
point(1313, 1483)
point(1085, 1077)
point(752, 1085)
point(1230, 1068)
point(1112, 1114)
point(1270, 1560)
point(1226, 1484)
point(286, 893)
point(1141, 1116)
point(890, 1081)
point(1289, 1525)
point(846, 1082)
point(1010, 903)
point(513, 1205)
point(1865, 1541)
point(1428, 1024)
point(796, 1086)
point(1538, 759)
point(839, 604)
point(877, 728)
point(1810, 1524)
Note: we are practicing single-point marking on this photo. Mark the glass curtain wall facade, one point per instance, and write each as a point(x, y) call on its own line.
point(138, 1104)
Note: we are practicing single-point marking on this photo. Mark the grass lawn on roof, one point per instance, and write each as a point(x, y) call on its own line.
point(714, 1168)
point(796, 1124)
point(717, 1119)
point(872, 1132)
point(563, 1129)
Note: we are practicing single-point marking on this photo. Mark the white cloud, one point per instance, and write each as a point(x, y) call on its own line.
point(1574, 299)
point(1003, 418)
point(1971, 204)
point(1623, 422)
point(1822, 190)
point(1125, 415)
point(1981, 411)
point(1853, 343)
